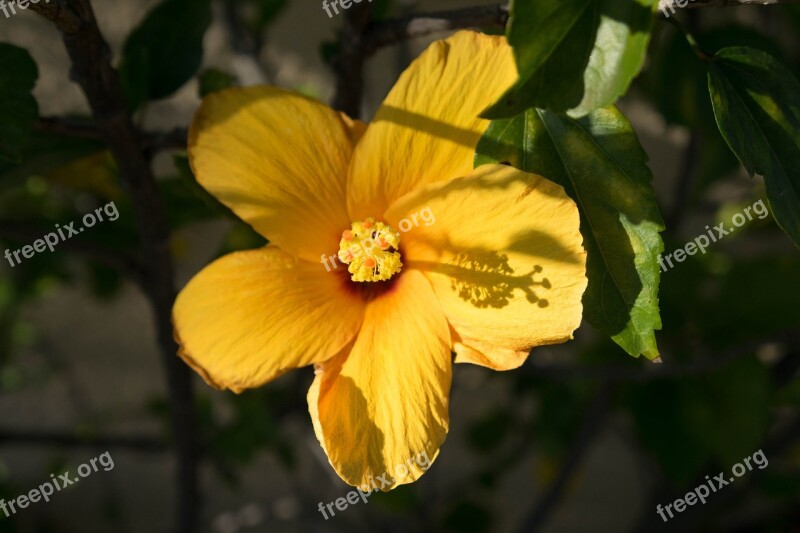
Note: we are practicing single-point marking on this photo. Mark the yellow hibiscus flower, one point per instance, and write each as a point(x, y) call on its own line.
point(501, 270)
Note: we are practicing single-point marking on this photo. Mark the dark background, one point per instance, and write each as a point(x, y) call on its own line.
point(581, 438)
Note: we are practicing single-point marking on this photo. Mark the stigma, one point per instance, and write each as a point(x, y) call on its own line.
point(370, 251)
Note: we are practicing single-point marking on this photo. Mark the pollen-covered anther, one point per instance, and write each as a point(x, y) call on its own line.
point(370, 249)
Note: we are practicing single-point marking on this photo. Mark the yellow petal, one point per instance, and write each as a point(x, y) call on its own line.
point(250, 316)
point(504, 254)
point(383, 408)
point(279, 160)
point(427, 128)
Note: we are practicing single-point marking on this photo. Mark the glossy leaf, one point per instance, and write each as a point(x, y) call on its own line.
point(18, 108)
point(757, 106)
point(574, 55)
point(599, 162)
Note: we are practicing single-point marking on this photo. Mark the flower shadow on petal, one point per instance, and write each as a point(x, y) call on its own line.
point(486, 277)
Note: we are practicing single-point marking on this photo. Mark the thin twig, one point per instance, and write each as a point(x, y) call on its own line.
point(650, 372)
point(85, 129)
point(10, 437)
point(672, 5)
point(349, 63)
point(384, 33)
point(126, 265)
point(152, 142)
point(593, 421)
point(387, 32)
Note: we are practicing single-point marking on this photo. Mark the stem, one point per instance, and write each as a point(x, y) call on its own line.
point(690, 39)
point(71, 440)
point(388, 32)
point(128, 266)
point(92, 70)
point(349, 64)
point(593, 422)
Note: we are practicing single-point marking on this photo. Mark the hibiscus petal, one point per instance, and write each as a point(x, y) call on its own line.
point(250, 316)
point(279, 160)
point(505, 258)
point(427, 128)
point(381, 407)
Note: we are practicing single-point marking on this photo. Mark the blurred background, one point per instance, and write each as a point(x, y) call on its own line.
point(581, 438)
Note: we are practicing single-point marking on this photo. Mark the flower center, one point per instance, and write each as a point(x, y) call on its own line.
point(369, 248)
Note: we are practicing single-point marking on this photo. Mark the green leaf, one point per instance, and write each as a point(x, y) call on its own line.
point(165, 50)
point(599, 162)
point(18, 108)
point(574, 55)
point(213, 79)
point(268, 11)
point(756, 102)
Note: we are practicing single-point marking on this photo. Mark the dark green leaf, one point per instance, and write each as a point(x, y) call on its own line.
point(757, 106)
point(381, 8)
point(165, 50)
point(574, 55)
point(213, 79)
point(268, 10)
point(599, 162)
point(18, 108)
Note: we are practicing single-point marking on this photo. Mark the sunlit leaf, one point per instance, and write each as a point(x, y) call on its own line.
point(574, 55)
point(599, 162)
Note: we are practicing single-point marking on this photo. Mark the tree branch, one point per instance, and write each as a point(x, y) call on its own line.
point(663, 5)
point(593, 420)
point(384, 33)
point(152, 142)
point(349, 63)
point(649, 372)
point(69, 127)
point(74, 440)
point(392, 31)
point(92, 70)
